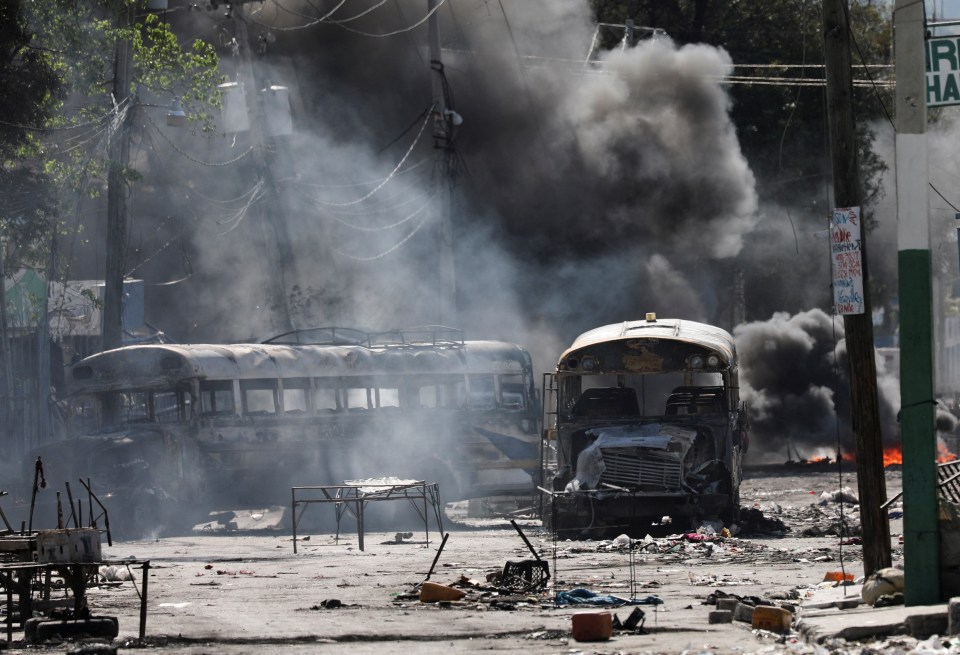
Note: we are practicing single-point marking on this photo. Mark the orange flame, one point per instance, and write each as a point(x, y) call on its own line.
point(892, 455)
point(944, 454)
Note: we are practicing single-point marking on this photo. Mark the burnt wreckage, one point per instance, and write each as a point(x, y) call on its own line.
point(643, 420)
point(177, 427)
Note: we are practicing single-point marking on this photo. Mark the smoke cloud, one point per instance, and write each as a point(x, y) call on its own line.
point(586, 193)
point(795, 381)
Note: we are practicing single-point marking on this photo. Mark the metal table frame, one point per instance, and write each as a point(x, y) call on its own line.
point(17, 578)
point(351, 497)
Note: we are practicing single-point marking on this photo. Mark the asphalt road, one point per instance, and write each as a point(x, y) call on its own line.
point(251, 593)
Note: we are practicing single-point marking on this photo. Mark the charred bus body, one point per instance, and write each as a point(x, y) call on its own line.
point(197, 427)
point(643, 420)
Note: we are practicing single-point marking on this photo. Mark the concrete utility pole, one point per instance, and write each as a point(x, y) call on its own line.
point(858, 328)
point(921, 536)
point(442, 139)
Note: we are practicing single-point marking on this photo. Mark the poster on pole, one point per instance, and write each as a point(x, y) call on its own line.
point(845, 259)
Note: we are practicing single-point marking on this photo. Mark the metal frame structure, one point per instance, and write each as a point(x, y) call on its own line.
point(352, 496)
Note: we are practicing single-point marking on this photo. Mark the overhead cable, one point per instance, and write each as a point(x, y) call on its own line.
point(212, 164)
point(389, 250)
point(382, 228)
point(390, 176)
point(395, 32)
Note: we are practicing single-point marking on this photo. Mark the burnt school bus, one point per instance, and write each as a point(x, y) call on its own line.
point(191, 426)
point(643, 421)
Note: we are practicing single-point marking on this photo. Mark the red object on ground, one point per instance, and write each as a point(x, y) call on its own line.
point(594, 625)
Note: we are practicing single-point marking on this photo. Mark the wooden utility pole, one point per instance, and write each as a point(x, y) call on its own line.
point(276, 238)
point(858, 328)
point(119, 150)
point(117, 187)
point(442, 140)
point(921, 536)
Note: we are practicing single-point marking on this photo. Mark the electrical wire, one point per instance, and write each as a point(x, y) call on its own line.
point(389, 250)
point(194, 159)
point(392, 207)
point(238, 217)
point(392, 173)
point(382, 228)
point(342, 20)
point(293, 28)
point(409, 169)
point(395, 32)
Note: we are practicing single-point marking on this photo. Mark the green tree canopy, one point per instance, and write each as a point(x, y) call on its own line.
point(56, 81)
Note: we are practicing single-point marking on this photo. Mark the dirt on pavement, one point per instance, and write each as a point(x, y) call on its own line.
point(249, 593)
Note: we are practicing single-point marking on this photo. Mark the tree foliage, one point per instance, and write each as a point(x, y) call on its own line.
point(56, 75)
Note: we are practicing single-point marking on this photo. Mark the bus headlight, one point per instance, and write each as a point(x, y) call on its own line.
point(696, 361)
point(588, 363)
point(572, 362)
point(713, 361)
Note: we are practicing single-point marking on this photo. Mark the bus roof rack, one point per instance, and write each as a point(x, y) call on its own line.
point(322, 336)
point(422, 335)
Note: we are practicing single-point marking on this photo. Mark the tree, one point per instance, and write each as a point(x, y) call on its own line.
point(56, 76)
point(30, 91)
point(56, 85)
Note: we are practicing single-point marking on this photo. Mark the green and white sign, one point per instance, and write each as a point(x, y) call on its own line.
point(943, 71)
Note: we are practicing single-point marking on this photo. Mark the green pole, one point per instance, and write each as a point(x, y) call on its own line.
point(921, 535)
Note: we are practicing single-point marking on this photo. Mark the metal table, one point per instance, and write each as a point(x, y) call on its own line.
point(16, 578)
point(351, 497)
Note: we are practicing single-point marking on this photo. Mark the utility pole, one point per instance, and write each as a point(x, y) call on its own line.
point(119, 150)
point(921, 535)
point(117, 187)
point(443, 122)
point(858, 328)
point(274, 231)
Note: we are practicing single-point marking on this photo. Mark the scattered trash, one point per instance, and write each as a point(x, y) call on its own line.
point(634, 621)
point(400, 536)
point(587, 597)
point(837, 576)
point(526, 575)
point(110, 573)
point(431, 592)
point(884, 582)
point(844, 495)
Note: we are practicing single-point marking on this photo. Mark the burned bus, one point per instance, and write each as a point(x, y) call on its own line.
point(197, 427)
point(643, 421)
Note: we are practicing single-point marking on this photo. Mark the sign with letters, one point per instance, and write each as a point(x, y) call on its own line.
point(943, 71)
point(845, 259)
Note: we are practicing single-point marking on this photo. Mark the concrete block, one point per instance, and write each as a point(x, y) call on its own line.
point(594, 625)
point(729, 604)
point(953, 616)
point(923, 626)
point(743, 613)
point(720, 616)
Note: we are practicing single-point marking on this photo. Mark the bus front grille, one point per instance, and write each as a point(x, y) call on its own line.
point(642, 468)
